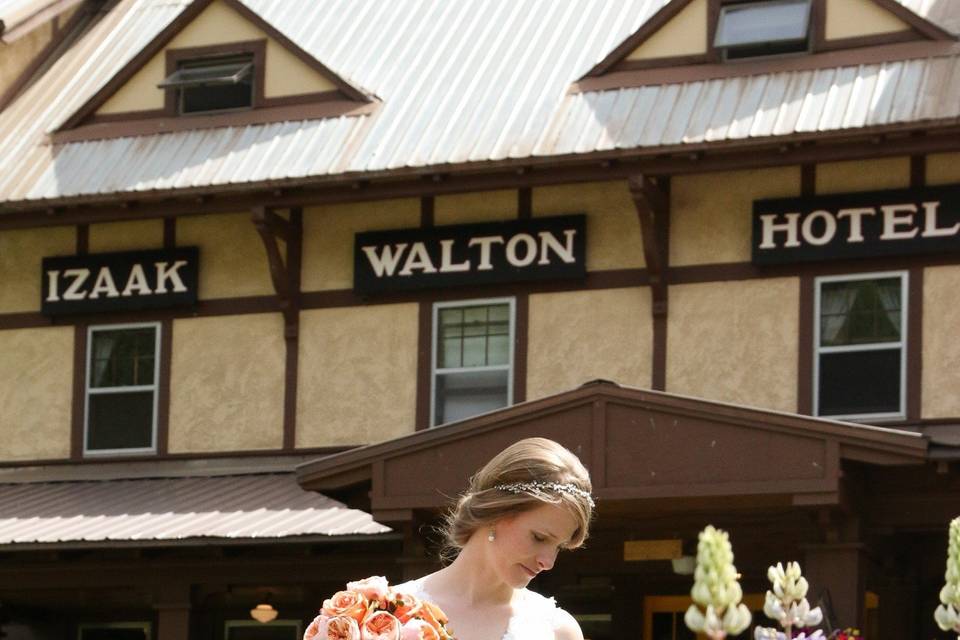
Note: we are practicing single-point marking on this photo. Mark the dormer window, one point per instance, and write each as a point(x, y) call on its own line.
point(763, 28)
point(212, 84)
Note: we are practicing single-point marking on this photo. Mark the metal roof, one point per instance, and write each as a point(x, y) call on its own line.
point(471, 81)
point(246, 507)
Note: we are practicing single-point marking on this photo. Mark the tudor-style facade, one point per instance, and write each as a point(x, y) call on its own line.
point(393, 223)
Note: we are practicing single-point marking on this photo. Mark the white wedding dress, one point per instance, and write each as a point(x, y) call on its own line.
point(535, 617)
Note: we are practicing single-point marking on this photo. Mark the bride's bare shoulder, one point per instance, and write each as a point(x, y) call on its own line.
point(566, 628)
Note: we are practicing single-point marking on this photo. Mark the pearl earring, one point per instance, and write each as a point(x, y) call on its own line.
point(490, 536)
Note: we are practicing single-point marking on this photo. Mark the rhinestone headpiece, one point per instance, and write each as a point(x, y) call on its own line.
point(538, 486)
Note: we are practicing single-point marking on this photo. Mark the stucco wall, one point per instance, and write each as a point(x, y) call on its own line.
point(285, 74)
point(328, 236)
point(943, 168)
point(21, 253)
point(941, 348)
point(711, 213)
point(863, 175)
point(735, 342)
point(854, 18)
point(613, 229)
point(233, 261)
point(227, 383)
point(36, 379)
point(484, 206)
point(358, 374)
point(579, 336)
point(685, 34)
point(126, 236)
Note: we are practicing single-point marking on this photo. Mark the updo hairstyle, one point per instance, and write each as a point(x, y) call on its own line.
point(532, 459)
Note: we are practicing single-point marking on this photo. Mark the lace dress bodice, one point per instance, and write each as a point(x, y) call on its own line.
point(535, 617)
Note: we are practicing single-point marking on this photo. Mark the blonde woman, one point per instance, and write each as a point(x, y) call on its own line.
point(524, 506)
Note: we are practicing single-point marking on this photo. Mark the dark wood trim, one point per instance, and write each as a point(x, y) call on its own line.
point(918, 171)
point(272, 229)
point(808, 180)
point(521, 341)
point(914, 350)
point(291, 332)
point(83, 239)
point(818, 25)
point(427, 209)
point(805, 347)
point(894, 51)
point(79, 403)
point(163, 387)
point(424, 352)
point(154, 122)
point(524, 203)
point(641, 35)
point(169, 233)
point(920, 24)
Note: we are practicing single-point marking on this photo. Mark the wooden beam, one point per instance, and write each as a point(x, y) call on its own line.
point(270, 231)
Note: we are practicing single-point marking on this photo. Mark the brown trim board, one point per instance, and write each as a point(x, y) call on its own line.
point(291, 332)
point(78, 403)
point(914, 350)
point(163, 386)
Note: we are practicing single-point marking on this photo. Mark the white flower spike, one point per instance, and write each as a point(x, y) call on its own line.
point(947, 614)
point(716, 593)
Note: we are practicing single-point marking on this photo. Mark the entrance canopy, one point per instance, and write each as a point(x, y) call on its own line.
point(171, 511)
point(638, 444)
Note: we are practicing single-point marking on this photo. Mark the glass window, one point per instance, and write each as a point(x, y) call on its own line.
point(473, 359)
point(122, 388)
point(860, 366)
point(212, 84)
point(115, 631)
point(768, 27)
point(253, 630)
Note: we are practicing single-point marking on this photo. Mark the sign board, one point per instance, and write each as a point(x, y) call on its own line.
point(470, 254)
point(119, 281)
point(856, 225)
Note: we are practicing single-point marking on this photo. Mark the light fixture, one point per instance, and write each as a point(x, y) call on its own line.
point(263, 612)
point(684, 565)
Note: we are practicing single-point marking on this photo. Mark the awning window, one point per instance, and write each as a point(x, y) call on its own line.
point(765, 27)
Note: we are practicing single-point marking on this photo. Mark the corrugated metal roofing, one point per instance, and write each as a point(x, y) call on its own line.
point(468, 81)
point(226, 507)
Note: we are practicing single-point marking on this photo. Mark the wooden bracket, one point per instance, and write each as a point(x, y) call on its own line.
point(285, 275)
point(653, 208)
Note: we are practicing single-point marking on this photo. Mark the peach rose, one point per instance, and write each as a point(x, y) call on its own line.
point(380, 625)
point(417, 629)
point(346, 603)
point(433, 615)
point(341, 628)
point(372, 588)
point(316, 629)
point(407, 607)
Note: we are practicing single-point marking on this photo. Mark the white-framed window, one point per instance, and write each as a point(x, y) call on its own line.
point(860, 330)
point(472, 360)
point(114, 631)
point(762, 27)
point(123, 371)
point(253, 630)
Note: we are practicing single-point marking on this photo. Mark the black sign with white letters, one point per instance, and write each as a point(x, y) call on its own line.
point(119, 281)
point(449, 256)
point(856, 225)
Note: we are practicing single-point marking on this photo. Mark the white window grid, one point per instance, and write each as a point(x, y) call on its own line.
point(876, 346)
point(436, 371)
point(90, 390)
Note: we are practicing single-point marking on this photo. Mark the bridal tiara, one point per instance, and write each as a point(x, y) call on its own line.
point(537, 486)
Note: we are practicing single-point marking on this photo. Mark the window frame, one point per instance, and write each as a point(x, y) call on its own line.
point(901, 344)
point(511, 301)
point(155, 387)
point(248, 67)
point(721, 52)
point(175, 57)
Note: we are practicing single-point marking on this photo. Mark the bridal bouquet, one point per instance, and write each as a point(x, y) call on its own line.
point(370, 609)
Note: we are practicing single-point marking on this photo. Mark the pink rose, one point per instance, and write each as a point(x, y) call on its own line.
point(341, 628)
point(417, 629)
point(380, 625)
point(317, 629)
point(372, 588)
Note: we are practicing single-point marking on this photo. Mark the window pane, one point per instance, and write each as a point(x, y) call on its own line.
point(217, 97)
point(122, 357)
point(499, 349)
point(860, 382)
point(263, 632)
point(475, 336)
point(760, 22)
point(475, 351)
point(462, 395)
point(120, 420)
point(860, 312)
point(662, 627)
point(450, 355)
point(112, 634)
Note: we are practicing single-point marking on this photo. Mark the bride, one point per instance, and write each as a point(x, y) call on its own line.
point(524, 506)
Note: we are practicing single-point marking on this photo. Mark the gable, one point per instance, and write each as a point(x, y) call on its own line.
point(285, 74)
point(860, 18)
point(683, 35)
